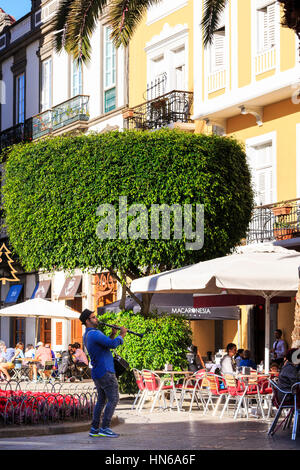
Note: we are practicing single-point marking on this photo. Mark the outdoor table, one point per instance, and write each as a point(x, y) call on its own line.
point(173, 374)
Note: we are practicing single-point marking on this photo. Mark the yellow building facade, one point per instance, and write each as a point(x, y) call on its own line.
point(249, 89)
point(245, 85)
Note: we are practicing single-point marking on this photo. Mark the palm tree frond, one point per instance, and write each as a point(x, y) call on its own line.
point(291, 15)
point(60, 23)
point(124, 16)
point(80, 24)
point(211, 17)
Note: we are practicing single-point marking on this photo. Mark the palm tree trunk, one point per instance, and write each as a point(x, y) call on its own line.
point(296, 330)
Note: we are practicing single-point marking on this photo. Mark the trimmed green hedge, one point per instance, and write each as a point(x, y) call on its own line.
point(166, 340)
point(53, 188)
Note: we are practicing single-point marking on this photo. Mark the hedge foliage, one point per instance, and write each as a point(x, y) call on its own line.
point(53, 188)
point(165, 341)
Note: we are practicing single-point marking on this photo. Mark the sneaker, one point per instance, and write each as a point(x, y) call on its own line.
point(94, 433)
point(106, 432)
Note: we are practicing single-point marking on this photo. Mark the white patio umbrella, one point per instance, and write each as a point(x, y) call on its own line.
point(39, 308)
point(264, 269)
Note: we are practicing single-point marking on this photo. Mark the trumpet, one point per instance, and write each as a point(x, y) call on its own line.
point(118, 328)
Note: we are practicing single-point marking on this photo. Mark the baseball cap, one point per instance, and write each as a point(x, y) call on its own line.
point(39, 343)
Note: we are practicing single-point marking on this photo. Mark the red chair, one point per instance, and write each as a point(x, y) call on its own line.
point(194, 386)
point(141, 386)
point(155, 388)
point(234, 391)
point(216, 390)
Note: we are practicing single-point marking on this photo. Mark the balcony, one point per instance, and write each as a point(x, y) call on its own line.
point(280, 221)
point(265, 61)
point(63, 116)
point(14, 135)
point(165, 110)
point(216, 81)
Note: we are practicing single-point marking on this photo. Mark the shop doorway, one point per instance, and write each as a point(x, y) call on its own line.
point(256, 330)
point(45, 330)
point(76, 326)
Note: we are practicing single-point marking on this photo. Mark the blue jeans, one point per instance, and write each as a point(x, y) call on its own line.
point(108, 393)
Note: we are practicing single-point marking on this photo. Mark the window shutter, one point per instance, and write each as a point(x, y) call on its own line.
point(271, 13)
point(262, 166)
point(219, 50)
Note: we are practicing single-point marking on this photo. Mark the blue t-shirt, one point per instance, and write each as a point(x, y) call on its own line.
point(248, 363)
point(9, 354)
point(99, 346)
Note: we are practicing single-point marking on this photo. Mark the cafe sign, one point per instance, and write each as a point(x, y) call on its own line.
point(5, 256)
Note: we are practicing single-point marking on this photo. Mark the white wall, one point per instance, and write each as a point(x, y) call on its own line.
point(7, 108)
point(60, 86)
point(32, 80)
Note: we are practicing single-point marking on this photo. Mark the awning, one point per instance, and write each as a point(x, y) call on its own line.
point(13, 294)
point(70, 288)
point(177, 304)
point(41, 290)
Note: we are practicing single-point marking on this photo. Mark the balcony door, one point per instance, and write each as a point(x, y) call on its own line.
point(261, 153)
point(20, 98)
point(46, 85)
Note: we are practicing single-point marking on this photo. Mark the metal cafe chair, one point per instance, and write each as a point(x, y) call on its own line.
point(286, 404)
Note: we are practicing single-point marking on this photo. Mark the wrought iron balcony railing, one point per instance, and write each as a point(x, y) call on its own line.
point(20, 133)
point(75, 109)
point(42, 124)
point(171, 107)
point(272, 222)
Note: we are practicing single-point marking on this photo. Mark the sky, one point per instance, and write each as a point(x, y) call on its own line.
point(16, 8)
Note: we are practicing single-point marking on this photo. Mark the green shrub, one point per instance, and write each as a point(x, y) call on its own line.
point(53, 188)
point(165, 341)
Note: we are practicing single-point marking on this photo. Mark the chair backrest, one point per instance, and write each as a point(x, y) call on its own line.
point(231, 384)
point(277, 400)
point(151, 380)
point(139, 379)
point(213, 383)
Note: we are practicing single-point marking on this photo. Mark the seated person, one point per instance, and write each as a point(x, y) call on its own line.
point(29, 352)
point(274, 369)
point(227, 363)
point(19, 353)
point(42, 355)
point(238, 357)
point(8, 355)
point(288, 375)
point(67, 365)
point(246, 361)
point(79, 356)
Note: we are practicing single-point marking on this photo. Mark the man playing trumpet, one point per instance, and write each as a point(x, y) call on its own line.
point(103, 371)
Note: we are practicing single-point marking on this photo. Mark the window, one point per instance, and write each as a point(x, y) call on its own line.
point(266, 27)
point(20, 98)
point(261, 163)
point(46, 94)
point(217, 51)
point(76, 78)
point(110, 101)
point(38, 17)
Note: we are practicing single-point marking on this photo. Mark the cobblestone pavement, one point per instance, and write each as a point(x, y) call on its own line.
point(166, 430)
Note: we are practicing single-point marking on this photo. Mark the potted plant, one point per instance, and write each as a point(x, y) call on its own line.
point(283, 209)
point(128, 113)
point(282, 230)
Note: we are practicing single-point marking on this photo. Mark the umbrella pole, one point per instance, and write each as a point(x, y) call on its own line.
point(36, 329)
point(267, 332)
